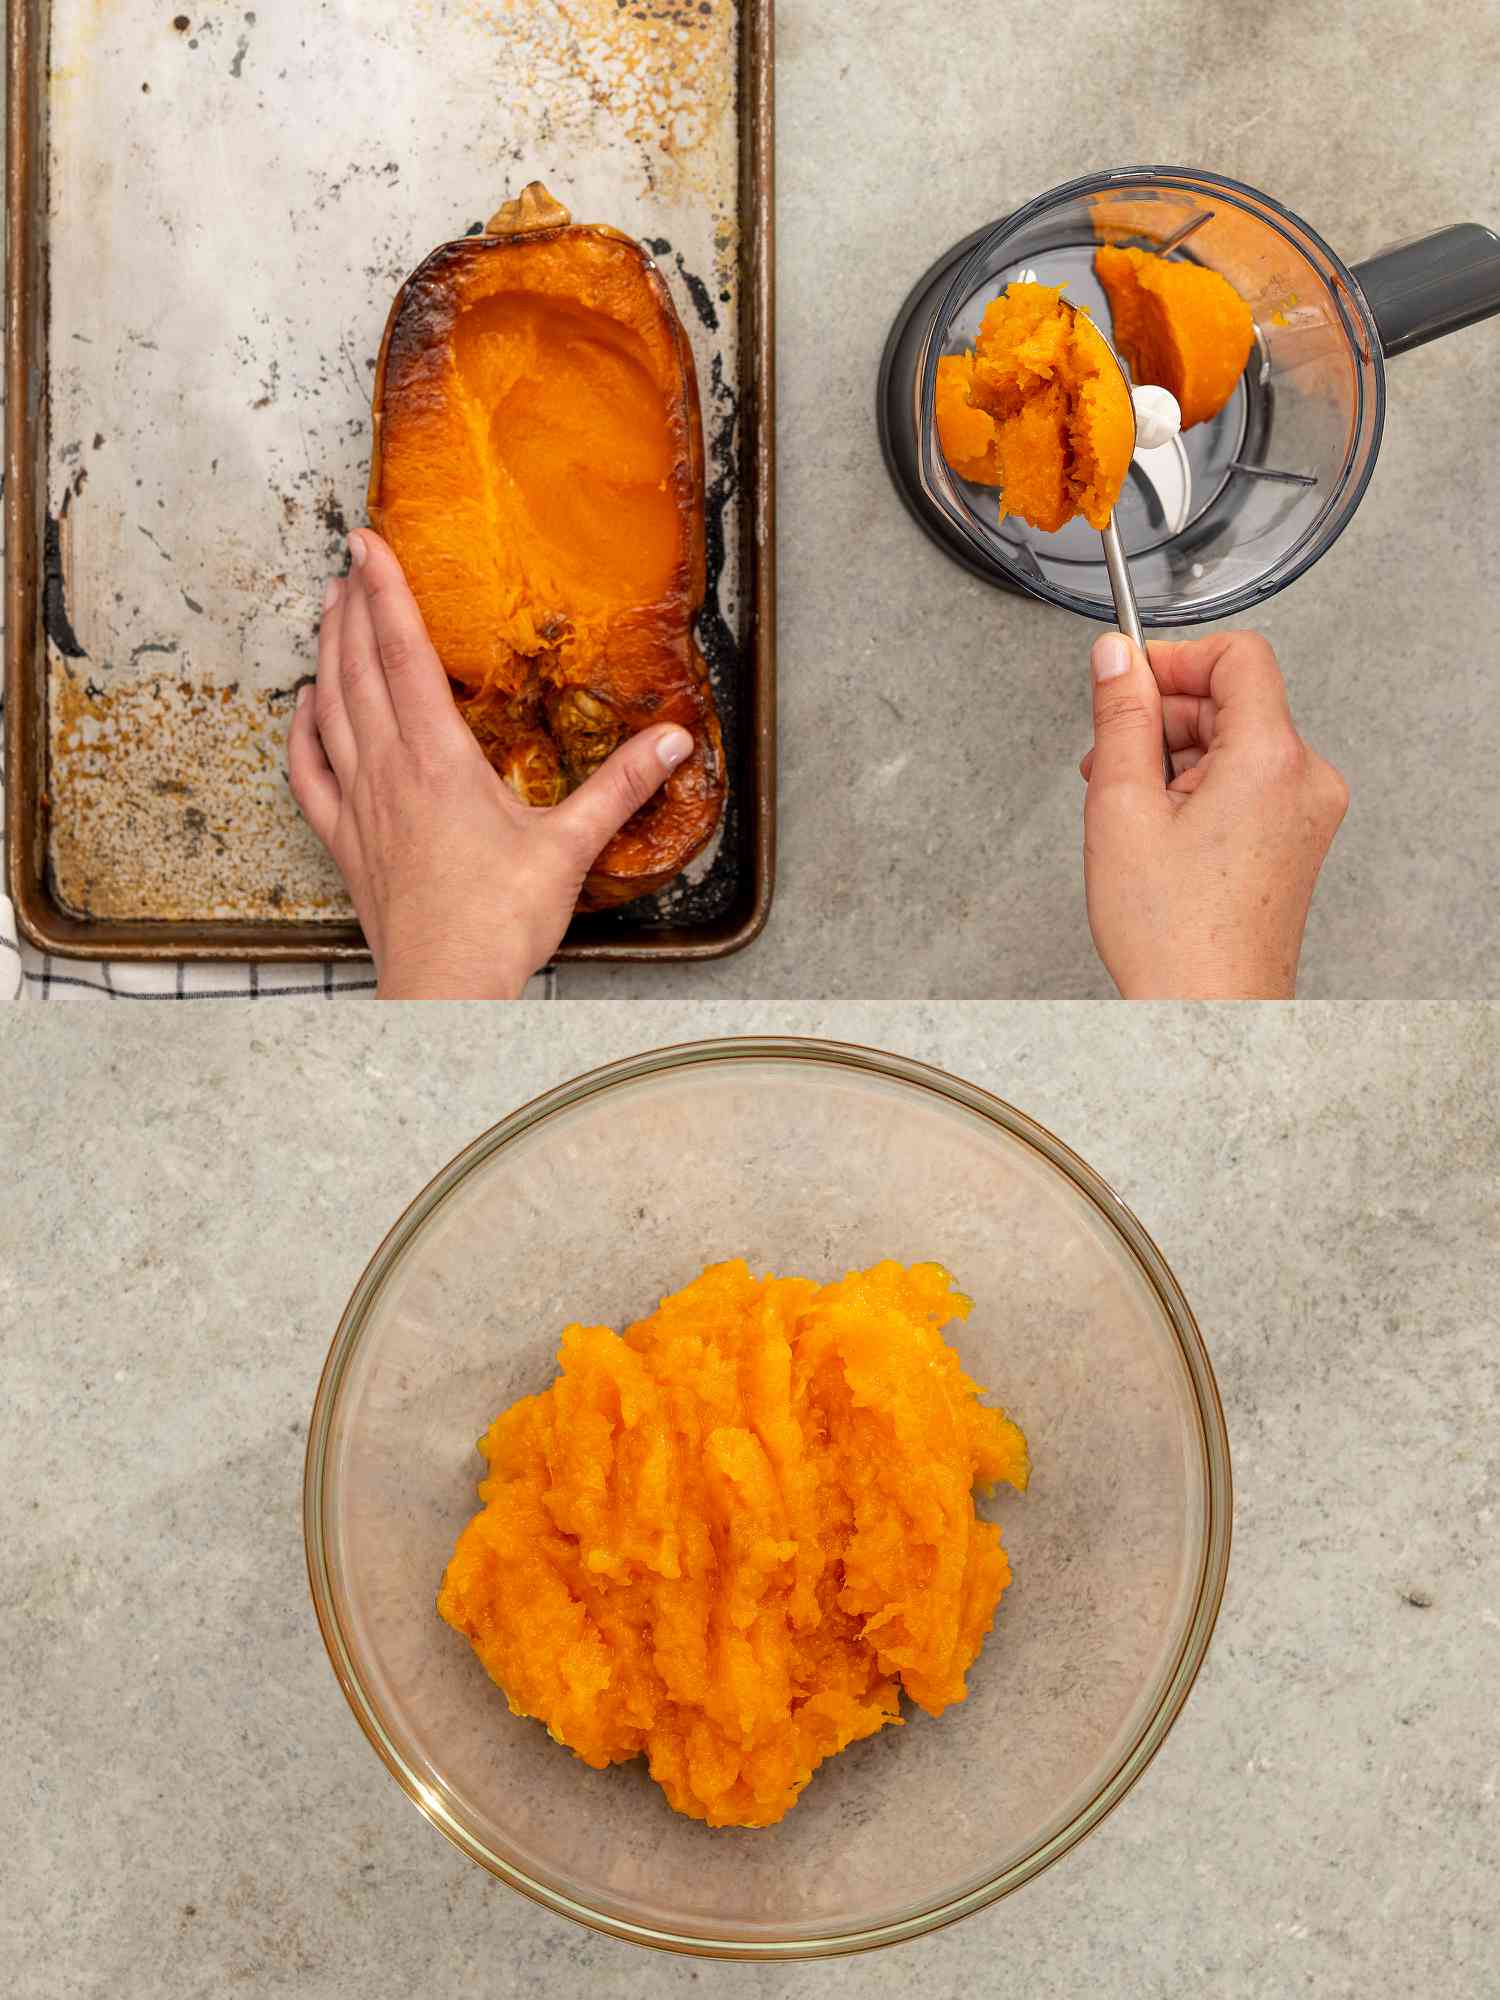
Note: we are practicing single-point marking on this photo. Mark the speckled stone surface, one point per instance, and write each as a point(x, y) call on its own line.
point(930, 726)
point(189, 1809)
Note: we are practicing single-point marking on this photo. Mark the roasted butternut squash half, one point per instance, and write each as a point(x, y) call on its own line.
point(538, 470)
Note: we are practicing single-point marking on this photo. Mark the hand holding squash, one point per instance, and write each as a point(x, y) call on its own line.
point(462, 890)
point(1201, 891)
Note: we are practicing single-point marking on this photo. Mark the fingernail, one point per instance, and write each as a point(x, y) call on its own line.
point(357, 550)
point(302, 693)
point(1112, 656)
point(330, 593)
point(673, 747)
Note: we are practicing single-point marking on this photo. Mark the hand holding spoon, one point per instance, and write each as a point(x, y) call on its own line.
point(1158, 419)
point(1155, 424)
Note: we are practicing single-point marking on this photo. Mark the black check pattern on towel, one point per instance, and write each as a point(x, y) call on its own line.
point(38, 975)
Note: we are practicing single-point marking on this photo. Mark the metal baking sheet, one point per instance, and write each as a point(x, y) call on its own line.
point(212, 209)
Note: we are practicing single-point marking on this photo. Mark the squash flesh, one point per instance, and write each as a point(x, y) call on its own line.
point(1178, 325)
point(729, 1539)
point(1039, 409)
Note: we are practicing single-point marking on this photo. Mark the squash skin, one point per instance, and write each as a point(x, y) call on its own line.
point(552, 667)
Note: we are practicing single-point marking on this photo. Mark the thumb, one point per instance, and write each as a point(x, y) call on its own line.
point(1127, 717)
point(594, 814)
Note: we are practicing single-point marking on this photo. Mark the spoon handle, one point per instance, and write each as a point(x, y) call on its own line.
point(1126, 611)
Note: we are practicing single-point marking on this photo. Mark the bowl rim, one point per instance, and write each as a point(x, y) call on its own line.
point(828, 1941)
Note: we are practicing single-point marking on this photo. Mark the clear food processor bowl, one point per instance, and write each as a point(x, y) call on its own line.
point(1245, 501)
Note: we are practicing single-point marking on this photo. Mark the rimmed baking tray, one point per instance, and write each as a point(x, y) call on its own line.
point(210, 212)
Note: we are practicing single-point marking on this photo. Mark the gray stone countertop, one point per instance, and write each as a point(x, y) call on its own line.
point(930, 725)
point(189, 1809)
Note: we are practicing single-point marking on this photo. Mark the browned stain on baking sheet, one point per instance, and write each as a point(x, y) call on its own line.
point(661, 71)
point(169, 800)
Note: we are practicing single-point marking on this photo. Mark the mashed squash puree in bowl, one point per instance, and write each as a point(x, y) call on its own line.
point(731, 1539)
point(749, 1539)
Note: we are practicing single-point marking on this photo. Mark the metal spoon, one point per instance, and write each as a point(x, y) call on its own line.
point(1127, 612)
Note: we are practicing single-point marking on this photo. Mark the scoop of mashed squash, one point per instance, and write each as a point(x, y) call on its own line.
point(1179, 325)
point(729, 1540)
point(1040, 409)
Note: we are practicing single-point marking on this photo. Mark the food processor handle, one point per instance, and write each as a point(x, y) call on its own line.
point(1433, 285)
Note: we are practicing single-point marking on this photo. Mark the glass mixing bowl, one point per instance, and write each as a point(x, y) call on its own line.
point(814, 1158)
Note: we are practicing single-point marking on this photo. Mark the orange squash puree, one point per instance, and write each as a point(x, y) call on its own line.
point(1039, 409)
point(728, 1540)
point(1178, 325)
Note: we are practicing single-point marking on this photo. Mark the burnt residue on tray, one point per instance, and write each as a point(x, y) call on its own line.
point(55, 619)
point(700, 295)
point(167, 646)
point(335, 523)
point(661, 71)
point(697, 290)
point(169, 800)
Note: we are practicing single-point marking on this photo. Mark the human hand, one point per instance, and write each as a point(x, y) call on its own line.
point(461, 890)
point(1201, 891)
